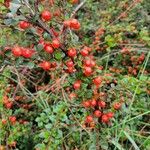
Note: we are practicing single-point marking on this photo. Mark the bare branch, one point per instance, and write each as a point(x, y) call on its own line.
point(77, 8)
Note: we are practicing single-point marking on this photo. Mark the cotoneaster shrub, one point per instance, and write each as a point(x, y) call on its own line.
point(72, 72)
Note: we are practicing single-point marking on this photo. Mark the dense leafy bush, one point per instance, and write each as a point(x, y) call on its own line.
point(74, 74)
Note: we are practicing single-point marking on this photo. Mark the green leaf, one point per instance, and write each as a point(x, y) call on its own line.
point(48, 126)
point(110, 41)
point(116, 144)
point(58, 55)
point(131, 140)
point(31, 65)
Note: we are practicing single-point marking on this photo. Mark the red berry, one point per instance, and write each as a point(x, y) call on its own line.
point(49, 49)
point(88, 71)
point(70, 70)
point(12, 119)
point(69, 63)
point(88, 48)
point(67, 23)
point(9, 105)
point(17, 51)
point(105, 118)
point(77, 84)
point(84, 52)
point(97, 113)
point(56, 43)
point(24, 24)
point(4, 121)
point(45, 65)
point(110, 114)
point(72, 52)
point(93, 63)
point(74, 1)
point(101, 104)
point(89, 119)
point(74, 24)
point(46, 15)
point(86, 104)
point(72, 95)
point(27, 53)
point(87, 62)
point(97, 81)
point(117, 106)
point(93, 102)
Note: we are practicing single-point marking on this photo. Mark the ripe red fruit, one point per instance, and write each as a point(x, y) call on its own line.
point(105, 118)
point(97, 81)
point(72, 95)
point(70, 70)
point(17, 51)
point(69, 63)
point(24, 24)
point(48, 49)
point(117, 106)
point(77, 85)
point(101, 104)
point(84, 52)
point(67, 23)
point(93, 102)
point(46, 15)
point(72, 52)
point(27, 53)
point(88, 71)
point(9, 105)
point(87, 62)
point(12, 119)
point(86, 104)
point(110, 114)
point(93, 63)
point(4, 121)
point(45, 65)
point(97, 113)
point(89, 119)
point(88, 48)
point(74, 24)
point(74, 1)
point(56, 43)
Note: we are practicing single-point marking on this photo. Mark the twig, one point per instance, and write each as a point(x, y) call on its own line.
point(65, 97)
point(77, 8)
point(18, 85)
point(36, 4)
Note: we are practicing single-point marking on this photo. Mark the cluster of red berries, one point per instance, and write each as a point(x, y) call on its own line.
point(98, 34)
point(49, 47)
point(22, 51)
point(98, 106)
point(12, 120)
point(7, 103)
point(72, 24)
point(133, 65)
